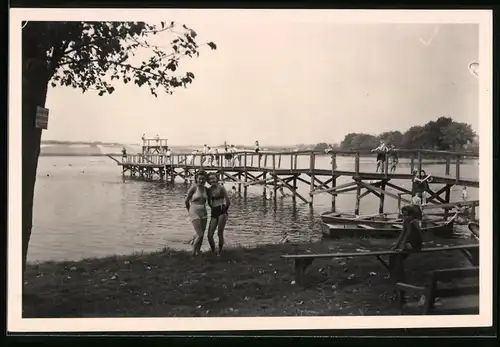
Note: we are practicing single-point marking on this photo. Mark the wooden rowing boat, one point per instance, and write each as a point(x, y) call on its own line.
point(374, 220)
point(380, 228)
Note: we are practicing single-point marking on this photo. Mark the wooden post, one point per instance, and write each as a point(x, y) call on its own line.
point(246, 173)
point(457, 167)
point(386, 165)
point(265, 160)
point(382, 198)
point(358, 198)
point(419, 156)
point(251, 160)
point(312, 174)
point(447, 167)
point(279, 161)
point(334, 180)
point(356, 164)
point(294, 180)
point(274, 175)
point(185, 169)
point(447, 195)
point(412, 163)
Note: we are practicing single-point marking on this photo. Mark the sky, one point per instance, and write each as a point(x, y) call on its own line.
point(287, 82)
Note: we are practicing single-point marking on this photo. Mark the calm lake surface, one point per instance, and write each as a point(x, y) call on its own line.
point(83, 208)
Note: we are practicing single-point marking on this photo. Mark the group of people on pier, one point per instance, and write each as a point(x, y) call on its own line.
point(386, 152)
point(213, 157)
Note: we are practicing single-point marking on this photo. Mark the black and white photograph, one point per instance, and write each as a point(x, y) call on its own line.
point(252, 169)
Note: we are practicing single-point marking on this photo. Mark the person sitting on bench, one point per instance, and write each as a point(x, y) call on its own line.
point(411, 237)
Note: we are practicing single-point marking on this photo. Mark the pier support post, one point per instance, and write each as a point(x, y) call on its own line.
point(312, 174)
point(246, 173)
point(382, 198)
point(334, 181)
point(447, 195)
point(274, 176)
point(358, 198)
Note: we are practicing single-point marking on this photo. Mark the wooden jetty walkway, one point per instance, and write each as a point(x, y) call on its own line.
point(318, 170)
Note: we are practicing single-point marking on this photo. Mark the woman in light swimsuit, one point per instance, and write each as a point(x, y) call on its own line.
point(196, 200)
point(218, 200)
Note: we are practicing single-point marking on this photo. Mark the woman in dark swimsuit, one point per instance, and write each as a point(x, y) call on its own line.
point(218, 200)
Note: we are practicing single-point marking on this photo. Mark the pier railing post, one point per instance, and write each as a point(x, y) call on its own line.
point(412, 163)
point(279, 161)
point(356, 164)
point(334, 180)
point(457, 168)
point(312, 160)
point(246, 172)
point(447, 167)
point(386, 164)
point(274, 175)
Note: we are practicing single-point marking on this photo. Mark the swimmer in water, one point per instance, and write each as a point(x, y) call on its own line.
point(219, 202)
point(195, 202)
point(464, 193)
point(234, 192)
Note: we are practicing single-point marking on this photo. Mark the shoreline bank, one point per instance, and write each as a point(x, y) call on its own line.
point(242, 282)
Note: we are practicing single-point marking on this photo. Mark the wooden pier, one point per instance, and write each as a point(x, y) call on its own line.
point(318, 170)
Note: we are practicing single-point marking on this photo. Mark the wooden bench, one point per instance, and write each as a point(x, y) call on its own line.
point(453, 300)
point(302, 261)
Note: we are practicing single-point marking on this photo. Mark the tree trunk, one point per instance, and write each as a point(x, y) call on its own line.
point(34, 93)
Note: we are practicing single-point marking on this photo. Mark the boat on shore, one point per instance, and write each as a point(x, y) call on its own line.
point(381, 225)
point(374, 220)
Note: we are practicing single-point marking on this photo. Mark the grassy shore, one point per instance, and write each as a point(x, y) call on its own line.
point(242, 282)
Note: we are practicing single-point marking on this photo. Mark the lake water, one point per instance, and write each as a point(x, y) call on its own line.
point(83, 208)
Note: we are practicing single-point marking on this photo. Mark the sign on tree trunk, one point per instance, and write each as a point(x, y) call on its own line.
point(42, 117)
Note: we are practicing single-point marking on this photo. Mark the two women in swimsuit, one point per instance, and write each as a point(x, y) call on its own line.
point(217, 198)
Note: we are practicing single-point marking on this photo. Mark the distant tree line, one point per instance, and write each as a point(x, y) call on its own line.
point(442, 134)
point(90, 143)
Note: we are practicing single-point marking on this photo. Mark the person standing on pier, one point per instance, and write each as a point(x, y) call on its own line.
point(195, 202)
point(157, 140)
point(219, 202)
point(216, 155)
point(235, 156)
point(204, 152)
point(420, 185)
point(257, 150)
point(393, 154)
point(124, 154)
point(168, 155)
point(227, 156)
point(381, 151)
point(211, 154)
